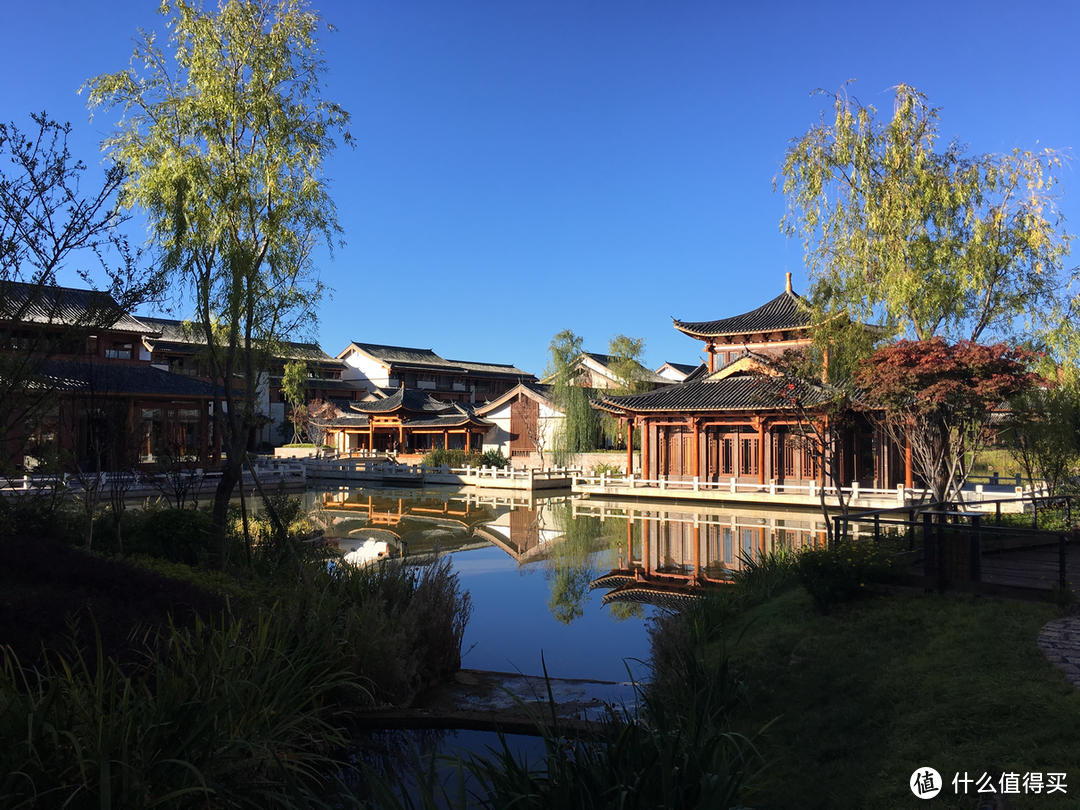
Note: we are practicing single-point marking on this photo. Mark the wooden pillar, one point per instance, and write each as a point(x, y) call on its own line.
point(696, 455)
point(909, 477)
point(761, 450)
point(697, 552)
point(712, 356)
point(446, 440)
point(646, 526)
point(629, 447)
point(645, 439)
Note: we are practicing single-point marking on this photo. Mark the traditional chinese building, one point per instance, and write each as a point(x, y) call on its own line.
point(83, 367)
point(748, 419)
point(180, 349)
point(408, 420)
point(382, 369)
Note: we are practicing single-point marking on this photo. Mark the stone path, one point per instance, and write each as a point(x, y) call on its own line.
point(1060, 642)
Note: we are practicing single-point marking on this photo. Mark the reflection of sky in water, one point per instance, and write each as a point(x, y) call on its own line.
point(512, 625)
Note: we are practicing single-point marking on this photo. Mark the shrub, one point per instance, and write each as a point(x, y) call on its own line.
point(606, 469)
point(459, 458)
point(494, 458)
point(844, 573)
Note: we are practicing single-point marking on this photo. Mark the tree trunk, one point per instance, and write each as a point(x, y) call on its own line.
point(230, 475)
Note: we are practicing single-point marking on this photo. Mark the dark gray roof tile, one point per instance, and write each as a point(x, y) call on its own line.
point(785, 312)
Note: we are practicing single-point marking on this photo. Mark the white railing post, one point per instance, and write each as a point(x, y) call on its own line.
point(854, 490)
point(813, 488)
point(772, 486)
point(900, 494)
point(695, 483)
point(732, 486)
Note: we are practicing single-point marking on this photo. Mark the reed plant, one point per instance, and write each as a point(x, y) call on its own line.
point(232, 714)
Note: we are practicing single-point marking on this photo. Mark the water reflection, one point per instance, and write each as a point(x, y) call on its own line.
point(638, 553)
point(670, 555)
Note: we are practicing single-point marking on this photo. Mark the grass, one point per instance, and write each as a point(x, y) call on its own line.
point(856, 700)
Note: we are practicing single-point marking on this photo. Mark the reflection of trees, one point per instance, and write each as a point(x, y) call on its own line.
point(573, 561)
point(621, 611)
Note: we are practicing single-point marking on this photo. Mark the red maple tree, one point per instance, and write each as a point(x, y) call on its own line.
point(937, 398)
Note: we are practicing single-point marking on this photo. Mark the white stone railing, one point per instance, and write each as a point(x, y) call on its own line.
point(810, 489)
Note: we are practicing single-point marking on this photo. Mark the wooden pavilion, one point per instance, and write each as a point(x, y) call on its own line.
point(747, 419)
point(407, 421)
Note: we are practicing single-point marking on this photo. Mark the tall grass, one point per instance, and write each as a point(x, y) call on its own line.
point(236, 714)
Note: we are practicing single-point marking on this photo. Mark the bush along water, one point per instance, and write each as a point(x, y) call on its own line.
point(849, 571)
point(461, 458)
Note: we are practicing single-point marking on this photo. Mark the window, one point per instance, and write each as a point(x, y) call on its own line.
point(748, 463)
point(727, 457)
point(119, 351)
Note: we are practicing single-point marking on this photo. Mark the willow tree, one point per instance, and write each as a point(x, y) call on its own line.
point(625, 355)
point(579, 429)
point(919, 239)
point(223, 142)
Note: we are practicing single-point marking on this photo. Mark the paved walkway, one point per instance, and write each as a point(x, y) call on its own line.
point(1060, 642)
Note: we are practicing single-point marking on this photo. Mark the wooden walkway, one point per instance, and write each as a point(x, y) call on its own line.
point(1031, 568)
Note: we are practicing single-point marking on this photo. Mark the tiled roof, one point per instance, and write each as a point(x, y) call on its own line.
point(685, 368)
point(404, 354)
point(699, 371)
point(409, 399)
point(430, 413)
point(113, 379)
point(64, 306)
point(645, 374)
point(492, 369)
point(743, 391)
point(182, 336)
point(784, 312)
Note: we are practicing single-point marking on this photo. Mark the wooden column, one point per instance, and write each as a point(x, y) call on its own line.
point(696, 455)
point(909, 477)
point(712, 356)
point(761, 451)
point(645, 439)
point(697, 552)
point(629, 447)
point(446, 440)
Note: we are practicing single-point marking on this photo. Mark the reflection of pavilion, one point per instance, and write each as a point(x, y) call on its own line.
point(417, 521)
point(410, 522)
point(670, 556)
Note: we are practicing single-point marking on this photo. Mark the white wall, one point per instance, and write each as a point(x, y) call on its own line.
point(361, 368)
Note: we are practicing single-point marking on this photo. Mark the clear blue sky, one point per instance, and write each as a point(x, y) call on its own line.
point(522, 167)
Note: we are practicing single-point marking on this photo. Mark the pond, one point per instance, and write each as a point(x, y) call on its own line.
point(563, 582)
point(558, 582)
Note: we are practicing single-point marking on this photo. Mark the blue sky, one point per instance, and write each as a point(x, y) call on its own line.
point(523, 167)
